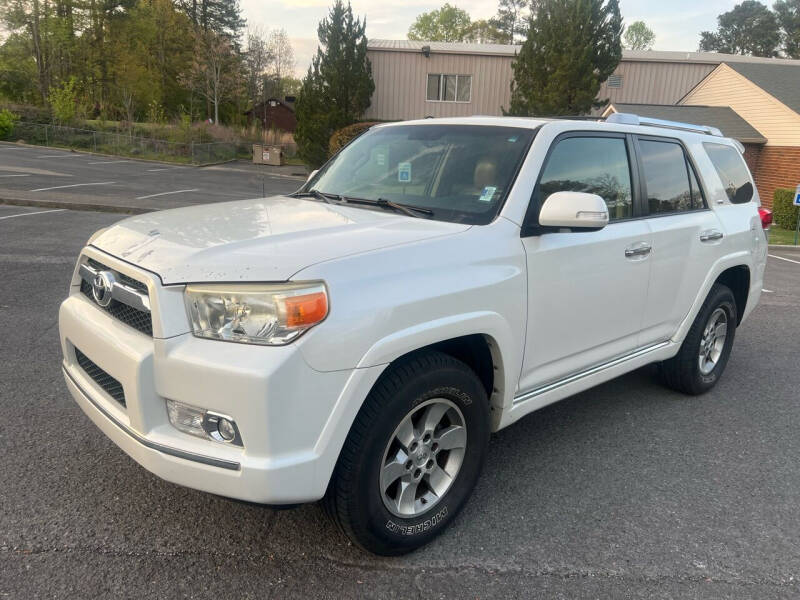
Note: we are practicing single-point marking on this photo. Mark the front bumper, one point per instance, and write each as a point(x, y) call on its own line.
point(292, 419)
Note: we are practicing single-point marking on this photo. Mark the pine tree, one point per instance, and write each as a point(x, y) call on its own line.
point(571, 48)
point(338, 87)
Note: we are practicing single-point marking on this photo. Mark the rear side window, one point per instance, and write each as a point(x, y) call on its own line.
point(595, 165)
point(733, 172)
point(669, 178)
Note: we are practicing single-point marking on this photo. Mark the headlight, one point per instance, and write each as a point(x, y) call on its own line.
point(270, 315)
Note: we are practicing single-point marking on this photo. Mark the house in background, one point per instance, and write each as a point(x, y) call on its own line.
point(274, 114)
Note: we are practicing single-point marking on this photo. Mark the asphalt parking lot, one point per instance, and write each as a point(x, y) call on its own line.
point(42, 176)
point(625, 491)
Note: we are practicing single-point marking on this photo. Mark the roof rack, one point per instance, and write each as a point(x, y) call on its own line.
point(631, 119)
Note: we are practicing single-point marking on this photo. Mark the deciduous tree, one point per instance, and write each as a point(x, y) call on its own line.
point(446, 24)
point(788, 15)
point(749, 28)
point(638, 36)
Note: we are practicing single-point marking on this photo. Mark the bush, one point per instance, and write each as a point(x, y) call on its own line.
point(784, 213)
point(7, 120)
point(64, 100)
point(341, 137)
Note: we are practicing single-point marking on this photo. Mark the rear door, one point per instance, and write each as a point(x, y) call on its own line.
point(686, 234)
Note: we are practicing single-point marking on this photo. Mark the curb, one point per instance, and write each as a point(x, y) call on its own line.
point(88, 206)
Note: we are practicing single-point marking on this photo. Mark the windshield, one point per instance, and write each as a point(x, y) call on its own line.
point(460, 172)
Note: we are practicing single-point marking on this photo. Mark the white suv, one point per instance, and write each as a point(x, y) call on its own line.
point(435, 281)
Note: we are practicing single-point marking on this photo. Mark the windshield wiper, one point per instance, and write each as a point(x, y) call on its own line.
point(410, 210)
point(325, 197)
point(407, 209)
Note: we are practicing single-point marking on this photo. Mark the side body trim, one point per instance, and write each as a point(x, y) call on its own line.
point(523, 397)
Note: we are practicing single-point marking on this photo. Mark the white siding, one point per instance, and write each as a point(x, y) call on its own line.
point(725, 87)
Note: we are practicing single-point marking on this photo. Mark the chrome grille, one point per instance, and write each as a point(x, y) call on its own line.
point(111, 386)
point(139, 319)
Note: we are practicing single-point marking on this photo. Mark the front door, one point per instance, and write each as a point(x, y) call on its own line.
point(586, 289)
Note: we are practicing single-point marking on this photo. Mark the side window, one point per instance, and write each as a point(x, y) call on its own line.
point(732, 171)
point(670, 180)
point(596, 165)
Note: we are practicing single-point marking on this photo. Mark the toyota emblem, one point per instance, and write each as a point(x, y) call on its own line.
point(103, 287)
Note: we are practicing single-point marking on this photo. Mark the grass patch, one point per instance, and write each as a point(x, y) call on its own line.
point(783, 237)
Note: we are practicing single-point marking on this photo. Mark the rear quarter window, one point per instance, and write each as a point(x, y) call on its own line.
point(732, 171)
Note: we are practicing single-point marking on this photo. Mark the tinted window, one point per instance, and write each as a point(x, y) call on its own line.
point(732, 171)
point(596, 165)
point(461, 172)
point(667, 177)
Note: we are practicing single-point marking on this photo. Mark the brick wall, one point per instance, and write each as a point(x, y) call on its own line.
point(773, 167)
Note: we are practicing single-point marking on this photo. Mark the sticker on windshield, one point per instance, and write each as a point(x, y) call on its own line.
point(380, 158)
point(488, 193)
point(404, 172)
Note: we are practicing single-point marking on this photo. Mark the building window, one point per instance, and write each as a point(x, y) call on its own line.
point(615, 81)
point(449, 88)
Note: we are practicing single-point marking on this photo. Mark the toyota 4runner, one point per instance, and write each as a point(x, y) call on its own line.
point(359, 340)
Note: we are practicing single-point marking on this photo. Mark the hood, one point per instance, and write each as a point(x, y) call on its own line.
point(268, 239)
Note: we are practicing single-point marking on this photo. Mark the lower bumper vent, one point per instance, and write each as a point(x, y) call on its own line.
point(111, 386)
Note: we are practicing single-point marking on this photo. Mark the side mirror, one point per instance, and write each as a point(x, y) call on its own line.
point(574, 210)
point(310, 175)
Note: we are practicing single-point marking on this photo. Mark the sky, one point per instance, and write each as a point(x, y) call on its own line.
point(676, 23)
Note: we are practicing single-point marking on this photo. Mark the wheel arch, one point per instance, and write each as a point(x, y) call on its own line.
point(737, 279)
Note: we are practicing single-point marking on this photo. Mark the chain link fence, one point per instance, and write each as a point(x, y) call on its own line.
point(122, 144)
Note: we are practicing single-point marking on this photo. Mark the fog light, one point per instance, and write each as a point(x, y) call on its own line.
point(203, 423)
point(226, 430)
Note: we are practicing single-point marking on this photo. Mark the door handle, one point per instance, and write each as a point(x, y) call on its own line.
point(638, 249)
point(710, 235)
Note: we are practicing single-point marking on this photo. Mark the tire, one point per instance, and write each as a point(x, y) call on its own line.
point(422, 385)
point(687, 372)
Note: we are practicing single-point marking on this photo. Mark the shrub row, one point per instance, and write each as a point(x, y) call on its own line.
point(784, 213)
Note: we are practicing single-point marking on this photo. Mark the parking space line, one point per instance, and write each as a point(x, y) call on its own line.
point(17, 175)
point(39, 212)
point(167, 193)
point(797, 262)
point(58, 156)
point(59, 187)
point(108, 162)
point(164, 169)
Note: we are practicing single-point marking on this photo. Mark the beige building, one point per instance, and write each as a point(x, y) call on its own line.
point(441, 79)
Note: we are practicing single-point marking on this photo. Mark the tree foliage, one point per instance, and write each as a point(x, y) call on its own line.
point(571, 49)
point(338, 87)
point(446, 24)
point(749, 28)
point(787, 13)
point(638, 36)
point(511, 21)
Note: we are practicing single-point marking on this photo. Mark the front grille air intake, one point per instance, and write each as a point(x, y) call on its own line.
point(111, 386)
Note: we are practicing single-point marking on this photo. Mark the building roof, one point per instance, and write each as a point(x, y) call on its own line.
point(711, 58)
point(779, 80)
point(722, 117)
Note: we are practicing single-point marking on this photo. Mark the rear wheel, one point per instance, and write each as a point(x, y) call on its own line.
point(704, 353)
point(412, 456)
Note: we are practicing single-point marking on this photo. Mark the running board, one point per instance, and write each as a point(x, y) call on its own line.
point(587, 373)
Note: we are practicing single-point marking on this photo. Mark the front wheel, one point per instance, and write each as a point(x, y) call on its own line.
point(413, 455)
point(704, 353)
